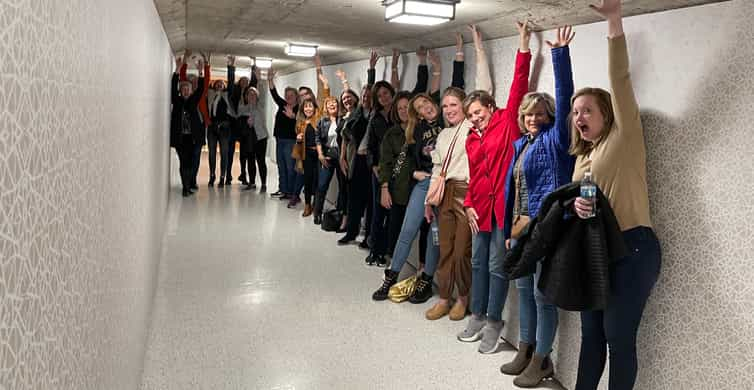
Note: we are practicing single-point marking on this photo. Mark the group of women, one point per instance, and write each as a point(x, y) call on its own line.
point(217, 115)
point(409, 163)
point(392, 149)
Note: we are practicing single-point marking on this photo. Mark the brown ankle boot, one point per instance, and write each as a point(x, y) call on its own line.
point(437, 311)
point(458, 312)
point(307, 210)
point(540, 367)
point(520, 362)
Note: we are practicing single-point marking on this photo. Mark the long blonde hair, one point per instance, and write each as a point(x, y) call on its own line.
point(580, 146)
point(413, 115)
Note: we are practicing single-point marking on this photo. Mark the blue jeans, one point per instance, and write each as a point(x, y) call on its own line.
point(539, 318)
point(286, 166)
point(489, 288)
point(631, 281)
point(412, 222)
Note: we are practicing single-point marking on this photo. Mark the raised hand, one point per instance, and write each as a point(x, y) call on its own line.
point(231, 60)
point(434, 59)
point(396, 57)
point(186, 55)
point(317, 60)
point(204, 57)
point(200, 67)
point(608, 8)
point(459, 42)
point(257, 72)
point(178, 63)
point(373, 57)
point(476, 36)
point(524, 32)
point(271, 73)
point(323, 79)
point(564, 37)
point(421, 53)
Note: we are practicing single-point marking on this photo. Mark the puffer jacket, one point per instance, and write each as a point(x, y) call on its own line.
point(547, 164)
point(575, 253)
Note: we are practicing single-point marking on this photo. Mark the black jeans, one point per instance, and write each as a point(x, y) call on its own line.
point(359, 191)
point(380, 221)
point(218, 135)
point(325, 177)
point(311, 174)
point(186, 161)
point(242, 156)
point(258, 154)
point(631, 282)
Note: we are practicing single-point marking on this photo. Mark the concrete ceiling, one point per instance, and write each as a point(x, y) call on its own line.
point(345, 30)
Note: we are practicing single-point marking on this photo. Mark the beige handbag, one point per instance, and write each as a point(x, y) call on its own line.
point(436, 190)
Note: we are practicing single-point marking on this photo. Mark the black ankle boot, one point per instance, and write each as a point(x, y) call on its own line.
point(317, 219)
point(423, 290)
point(391, 277)
point(211, 181)
point(186, 192)
point(380, 261)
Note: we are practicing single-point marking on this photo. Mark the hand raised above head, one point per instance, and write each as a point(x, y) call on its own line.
point(396, 57)
point(421, 52)
point(434, 59)
point(178, 62)
point(524, 29)
point(231, 60)
point(341, 75)
point(608, 8)
point(564, 37)
point(459, 42)
point(373, 57)
point(476, 35)
point(317, 60)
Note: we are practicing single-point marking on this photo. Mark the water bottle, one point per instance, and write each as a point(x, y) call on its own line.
point(589, 191)
point(435, 234)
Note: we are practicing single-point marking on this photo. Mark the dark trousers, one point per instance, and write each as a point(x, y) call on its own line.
point(242, 156)
point(423, 234)
point(258, 154)
point(380, 221)
point(323, 184)
point(359, 191)
point(397, 213)
point(186, 163)
point(196, 159)
point(218, 137)
point(631, 282)
point(311, 174)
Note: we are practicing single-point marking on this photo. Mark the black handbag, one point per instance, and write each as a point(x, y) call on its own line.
point(331, 220)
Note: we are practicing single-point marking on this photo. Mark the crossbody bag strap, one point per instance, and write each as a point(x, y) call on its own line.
point(449, 156)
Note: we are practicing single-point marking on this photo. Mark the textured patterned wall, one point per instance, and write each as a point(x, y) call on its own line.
point(83, 181)
point(692, 70)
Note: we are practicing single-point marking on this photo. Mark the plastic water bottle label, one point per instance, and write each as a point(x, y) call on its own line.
point(435, 235)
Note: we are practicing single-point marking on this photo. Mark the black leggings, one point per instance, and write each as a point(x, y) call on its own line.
point(186, 161)
point(258, 154)
point(311, 172)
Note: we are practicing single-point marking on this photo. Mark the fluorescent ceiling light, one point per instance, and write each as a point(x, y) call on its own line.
point(421, 12)
point(297, 50)
point(263, 63)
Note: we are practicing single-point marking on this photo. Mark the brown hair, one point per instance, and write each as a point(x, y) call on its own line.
point(413, 115)
point(394, 117)
point(530, 101)
point(483, 97)
point(604, 101)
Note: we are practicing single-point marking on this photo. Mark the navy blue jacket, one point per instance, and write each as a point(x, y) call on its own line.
point(547, 164)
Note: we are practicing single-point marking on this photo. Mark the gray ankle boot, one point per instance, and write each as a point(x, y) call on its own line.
point(520, 362)
point(540, 367)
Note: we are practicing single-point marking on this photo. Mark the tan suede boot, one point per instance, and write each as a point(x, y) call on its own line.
point(540, 367)
point(458, 312)
point(308, 209)
point(437, 311)
point(520, 362)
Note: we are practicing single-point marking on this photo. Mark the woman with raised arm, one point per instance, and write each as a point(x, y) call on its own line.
point(285, 137)
point(254, 132)
point(222, 115)
point(424, 124)
point(490, 151)
point(328, 140)
point(541, 163)
point(186, 127)
point(608, 141)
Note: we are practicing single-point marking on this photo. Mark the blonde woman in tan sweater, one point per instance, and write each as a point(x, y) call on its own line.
point(608, 141)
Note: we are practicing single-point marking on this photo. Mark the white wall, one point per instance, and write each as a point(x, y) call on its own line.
point(692, 72)
point(84, 100)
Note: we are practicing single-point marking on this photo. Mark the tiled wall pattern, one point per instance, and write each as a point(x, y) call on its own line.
point(83, 189)
point(692, 69)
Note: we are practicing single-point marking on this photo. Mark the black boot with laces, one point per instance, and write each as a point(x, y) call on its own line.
point(391, 277)
point(423, 290)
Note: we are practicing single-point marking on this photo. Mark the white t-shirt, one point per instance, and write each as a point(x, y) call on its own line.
point(332, 135)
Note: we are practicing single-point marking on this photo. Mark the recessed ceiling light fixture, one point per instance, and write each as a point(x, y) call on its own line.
point(421, 12)
point(263, 63)
point(297, 50)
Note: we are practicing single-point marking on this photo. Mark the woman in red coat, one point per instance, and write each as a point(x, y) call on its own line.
point(489, 147)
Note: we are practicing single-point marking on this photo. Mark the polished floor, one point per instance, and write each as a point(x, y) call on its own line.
point(253, 296)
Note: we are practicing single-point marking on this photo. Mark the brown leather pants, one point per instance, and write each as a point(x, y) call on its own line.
point(454, 267)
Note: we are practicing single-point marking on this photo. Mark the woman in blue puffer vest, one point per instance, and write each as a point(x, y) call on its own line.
point(541, 164)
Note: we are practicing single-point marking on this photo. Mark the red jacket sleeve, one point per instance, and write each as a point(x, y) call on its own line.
point(520, 85)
